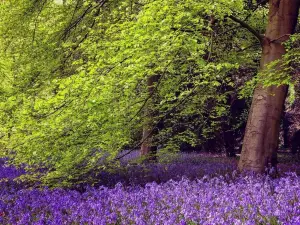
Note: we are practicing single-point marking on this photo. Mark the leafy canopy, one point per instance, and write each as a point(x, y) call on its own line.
point(74, 77)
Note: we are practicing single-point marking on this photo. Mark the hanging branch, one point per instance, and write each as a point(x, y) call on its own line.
point(248, 27)
point(154, 91)
point(86, 12)
point(36, 20)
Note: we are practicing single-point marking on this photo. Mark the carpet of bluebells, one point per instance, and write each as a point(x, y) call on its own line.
point(196, 189)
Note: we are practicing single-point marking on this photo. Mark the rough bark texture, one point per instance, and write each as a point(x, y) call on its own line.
point(262, 132)
point(148, 148)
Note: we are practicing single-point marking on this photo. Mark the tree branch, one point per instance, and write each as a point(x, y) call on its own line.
point(262, 2)
point(182, 101)
point(278, 39)
point(154, 91)
point(248, 27)
point(86, 12)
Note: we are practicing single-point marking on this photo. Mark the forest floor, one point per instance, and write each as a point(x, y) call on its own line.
point(191, 189)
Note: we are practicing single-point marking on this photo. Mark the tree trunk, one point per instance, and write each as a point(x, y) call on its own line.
point(148, 147)
point(262, 132)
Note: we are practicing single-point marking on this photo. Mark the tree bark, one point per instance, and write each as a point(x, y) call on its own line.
point(262, 132)
point(148, 147)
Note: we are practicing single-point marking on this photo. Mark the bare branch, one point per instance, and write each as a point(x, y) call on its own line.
point(278, 39)
point(248, 27)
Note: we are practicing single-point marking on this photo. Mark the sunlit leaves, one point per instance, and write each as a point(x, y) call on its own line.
point(76, 87)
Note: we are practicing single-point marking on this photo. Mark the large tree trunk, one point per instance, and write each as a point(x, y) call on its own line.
point(148, 147)
point(262, 132)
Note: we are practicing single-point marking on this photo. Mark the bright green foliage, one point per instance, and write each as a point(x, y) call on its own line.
point(73, 77)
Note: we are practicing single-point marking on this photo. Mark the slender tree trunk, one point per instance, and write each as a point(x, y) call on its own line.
point(262, 132)
point(148, 147)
